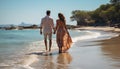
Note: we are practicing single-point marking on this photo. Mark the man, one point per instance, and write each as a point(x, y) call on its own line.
point(46, 27)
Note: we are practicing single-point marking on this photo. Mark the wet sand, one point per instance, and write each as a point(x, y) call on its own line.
point(103, 54)
point(112, 48)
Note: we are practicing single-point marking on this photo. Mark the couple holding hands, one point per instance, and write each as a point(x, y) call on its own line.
point(63, 38)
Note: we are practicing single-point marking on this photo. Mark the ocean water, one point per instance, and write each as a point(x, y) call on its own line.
point(14, 44)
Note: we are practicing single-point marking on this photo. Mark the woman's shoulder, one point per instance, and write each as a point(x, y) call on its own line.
point(57, 20)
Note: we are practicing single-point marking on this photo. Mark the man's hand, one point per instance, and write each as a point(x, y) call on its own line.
point(41, 30)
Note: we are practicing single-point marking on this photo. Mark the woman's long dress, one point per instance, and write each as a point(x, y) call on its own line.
point(63, 38)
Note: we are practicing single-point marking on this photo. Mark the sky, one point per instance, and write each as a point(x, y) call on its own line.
point(31, 11)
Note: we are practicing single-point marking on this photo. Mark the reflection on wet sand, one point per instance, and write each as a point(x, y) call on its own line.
point(63, 60)
point(54, 61)
point(45, 62)
point(111, 48)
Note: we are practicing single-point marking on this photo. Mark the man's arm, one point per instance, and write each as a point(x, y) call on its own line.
point(40, 30)
point(41, 26)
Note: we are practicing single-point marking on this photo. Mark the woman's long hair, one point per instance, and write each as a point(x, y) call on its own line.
point(61, 17)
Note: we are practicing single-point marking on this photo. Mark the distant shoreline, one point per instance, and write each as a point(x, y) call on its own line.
point(20, 27)
point(103, 28)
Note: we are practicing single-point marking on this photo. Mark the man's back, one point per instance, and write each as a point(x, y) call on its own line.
point(47, 24)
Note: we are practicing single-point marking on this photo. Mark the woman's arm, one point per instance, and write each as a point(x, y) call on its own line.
point(56, 26)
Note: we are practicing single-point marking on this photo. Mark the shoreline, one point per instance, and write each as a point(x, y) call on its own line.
point(81, 56)
point(104, 54)
point(99, 28)
point(102, 28)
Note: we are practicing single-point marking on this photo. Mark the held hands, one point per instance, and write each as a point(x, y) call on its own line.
point(41, 32)
point(54, 32)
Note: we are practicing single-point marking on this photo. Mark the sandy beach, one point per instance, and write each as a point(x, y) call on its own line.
point(103, 54)
point(33, 32)
point(100, 28)
point(84, 54)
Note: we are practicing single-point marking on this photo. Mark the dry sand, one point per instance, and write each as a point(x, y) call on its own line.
point(100, 28)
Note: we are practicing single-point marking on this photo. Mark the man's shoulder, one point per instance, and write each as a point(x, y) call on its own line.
point(47, 18)
point(43, 18)
point(50, 18)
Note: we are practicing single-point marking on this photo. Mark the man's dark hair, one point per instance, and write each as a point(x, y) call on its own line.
point(48, 12)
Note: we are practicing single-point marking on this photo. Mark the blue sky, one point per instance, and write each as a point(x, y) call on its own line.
point(31, 11)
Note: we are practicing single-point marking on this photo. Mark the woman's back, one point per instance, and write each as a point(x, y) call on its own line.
point(62, 36)
point(61, 26)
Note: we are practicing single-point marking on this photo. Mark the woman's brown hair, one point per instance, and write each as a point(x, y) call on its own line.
point(61, 17)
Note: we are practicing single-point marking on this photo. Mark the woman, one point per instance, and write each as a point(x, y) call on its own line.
point(62, 36)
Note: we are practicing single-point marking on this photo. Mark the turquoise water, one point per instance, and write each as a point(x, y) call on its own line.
point(15, 43)
point(12, 41)
point(15, 40)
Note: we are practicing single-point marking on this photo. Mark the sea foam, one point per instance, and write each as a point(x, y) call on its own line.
point(89, 35)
